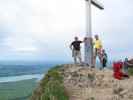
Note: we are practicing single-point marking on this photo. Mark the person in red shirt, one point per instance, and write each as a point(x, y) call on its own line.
point(117, 68)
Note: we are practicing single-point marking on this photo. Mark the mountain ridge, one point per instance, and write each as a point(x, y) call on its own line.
point(75, 82)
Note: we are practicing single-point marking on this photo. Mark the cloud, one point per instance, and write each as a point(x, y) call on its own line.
point(45, 28)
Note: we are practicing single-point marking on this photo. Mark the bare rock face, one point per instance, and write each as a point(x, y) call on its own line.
point(84, 83)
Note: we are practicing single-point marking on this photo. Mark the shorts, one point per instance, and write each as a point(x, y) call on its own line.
point(76, 53)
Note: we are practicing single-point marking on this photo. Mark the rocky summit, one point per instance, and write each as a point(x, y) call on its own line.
point(84, 83)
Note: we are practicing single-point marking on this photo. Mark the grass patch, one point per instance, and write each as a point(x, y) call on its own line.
point(130, 71)
point(51, 86)
point(20, 90)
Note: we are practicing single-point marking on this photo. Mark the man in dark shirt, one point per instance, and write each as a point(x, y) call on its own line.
point(76, 53)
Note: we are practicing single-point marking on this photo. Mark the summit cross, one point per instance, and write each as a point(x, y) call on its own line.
point(88, 56)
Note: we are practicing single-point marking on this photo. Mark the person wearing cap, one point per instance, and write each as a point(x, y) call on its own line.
point(76, 50)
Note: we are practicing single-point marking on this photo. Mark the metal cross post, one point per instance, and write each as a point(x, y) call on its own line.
point(88, 39)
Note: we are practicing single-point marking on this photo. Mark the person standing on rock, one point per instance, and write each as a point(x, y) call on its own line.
point(104, 58)
point(97, 49)
point(76, 50)
point(126, 66)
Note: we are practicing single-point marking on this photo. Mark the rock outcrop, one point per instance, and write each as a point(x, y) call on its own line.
point(84, 83)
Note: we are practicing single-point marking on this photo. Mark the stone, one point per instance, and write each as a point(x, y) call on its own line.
point(83, 83)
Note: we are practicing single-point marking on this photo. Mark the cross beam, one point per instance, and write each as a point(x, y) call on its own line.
point(97, 4)
point(88, 41)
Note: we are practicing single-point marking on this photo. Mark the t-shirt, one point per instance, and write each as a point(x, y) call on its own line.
point(97, 44)
point(76, 45)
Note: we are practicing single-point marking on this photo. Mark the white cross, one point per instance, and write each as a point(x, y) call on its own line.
point(88, 43)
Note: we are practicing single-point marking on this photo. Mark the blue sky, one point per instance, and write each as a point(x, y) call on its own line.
point(43, 29)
